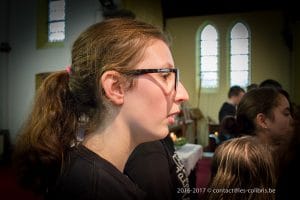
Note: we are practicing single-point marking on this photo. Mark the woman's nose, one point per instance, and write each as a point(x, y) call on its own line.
point(181, 94)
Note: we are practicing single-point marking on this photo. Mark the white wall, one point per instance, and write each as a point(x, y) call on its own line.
point(24, 61)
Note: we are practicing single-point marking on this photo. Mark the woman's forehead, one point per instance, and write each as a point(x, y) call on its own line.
point(283, 102)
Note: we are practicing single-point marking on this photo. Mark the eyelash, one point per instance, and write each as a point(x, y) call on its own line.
point(166, 75)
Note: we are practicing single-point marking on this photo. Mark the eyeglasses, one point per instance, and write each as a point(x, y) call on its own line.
point(170, 76)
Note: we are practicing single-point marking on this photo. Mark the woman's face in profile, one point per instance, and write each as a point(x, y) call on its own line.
point(281, 126)
point(152, 104)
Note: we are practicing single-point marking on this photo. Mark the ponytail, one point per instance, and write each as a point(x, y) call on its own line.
point(47, 134)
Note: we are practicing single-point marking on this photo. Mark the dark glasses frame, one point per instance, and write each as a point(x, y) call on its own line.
point(137, 72)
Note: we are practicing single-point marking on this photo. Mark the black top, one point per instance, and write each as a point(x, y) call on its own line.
point(157, 170)
point(87, 176)
point(225, 110)
point(287, 184)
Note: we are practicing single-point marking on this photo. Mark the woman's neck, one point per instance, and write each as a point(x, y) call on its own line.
point(114, 144)
point(263, 136)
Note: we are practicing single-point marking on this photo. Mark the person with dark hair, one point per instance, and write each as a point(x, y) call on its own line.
point(276, 85)
point(266, 113)
point(270, 83)
point(118, 65)
point(228, 108)
point(228, 129)
point(242, 168)
point(252, 86)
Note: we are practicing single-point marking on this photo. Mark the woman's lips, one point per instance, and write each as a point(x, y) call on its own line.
point(171, 119)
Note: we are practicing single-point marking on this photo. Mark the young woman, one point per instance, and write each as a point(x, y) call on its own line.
point(122, 89)
point(266, 113)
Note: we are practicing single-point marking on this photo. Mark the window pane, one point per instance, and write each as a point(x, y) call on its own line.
point(209, 80)
point(209, 63)
point(239, 46)
point(239, 62)
point(56, 31)
point(209, 33)
point(56, 21)
point(239, 78)
point(239, 31)
point(209, 48)
point(56, 10)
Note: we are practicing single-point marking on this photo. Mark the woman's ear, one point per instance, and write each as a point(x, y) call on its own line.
point(261, 120)
point(111, 82)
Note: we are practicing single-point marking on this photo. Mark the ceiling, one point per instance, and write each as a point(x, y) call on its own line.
point(185, 8)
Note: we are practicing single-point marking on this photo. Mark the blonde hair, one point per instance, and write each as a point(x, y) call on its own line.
point(246, 167)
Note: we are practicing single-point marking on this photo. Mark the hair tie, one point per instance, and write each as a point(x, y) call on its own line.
point(69, 69)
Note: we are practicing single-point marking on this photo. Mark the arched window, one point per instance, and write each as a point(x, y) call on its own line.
point(239, 55)
point(209, 57)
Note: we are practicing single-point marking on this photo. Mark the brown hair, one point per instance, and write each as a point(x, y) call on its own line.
point(260, 100)
point(245, 167)
point(65, 98)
